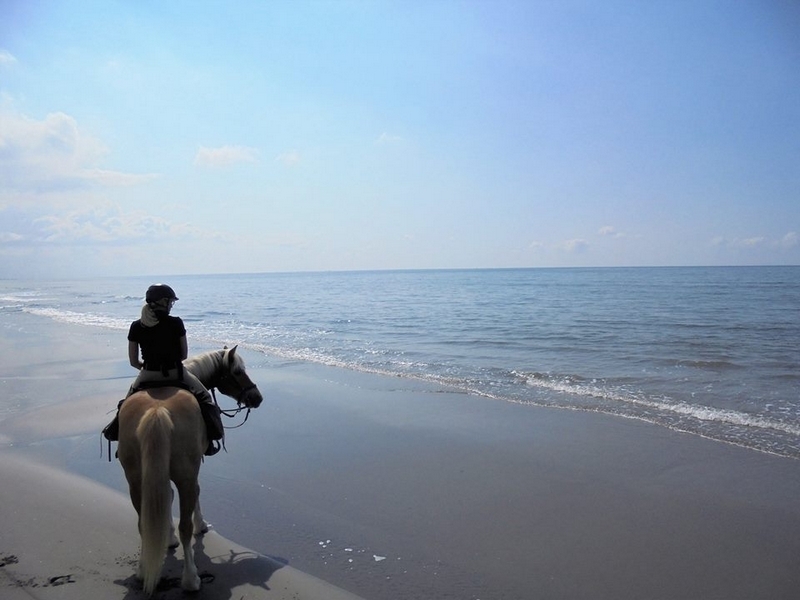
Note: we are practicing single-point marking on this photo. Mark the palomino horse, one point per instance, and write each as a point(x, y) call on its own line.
point(162, 437)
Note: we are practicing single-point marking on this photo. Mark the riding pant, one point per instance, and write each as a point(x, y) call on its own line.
point(192, 382)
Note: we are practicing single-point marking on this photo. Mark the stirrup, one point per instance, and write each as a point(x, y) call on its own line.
point(213, 448)
point(111, 431)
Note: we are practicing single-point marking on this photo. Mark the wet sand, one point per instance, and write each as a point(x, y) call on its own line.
point(392, 489)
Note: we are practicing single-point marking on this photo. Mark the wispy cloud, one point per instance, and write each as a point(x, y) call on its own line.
point(6, 58)
point(786, 242)
point(225, 156)
point(388, 138)
point(10, 237)
point(753, 241)
point(289, 159)
point(117, 178)
point(99, 224)
point(790, 240)
point(53, 155)
point(575, 245)
point(609, 231)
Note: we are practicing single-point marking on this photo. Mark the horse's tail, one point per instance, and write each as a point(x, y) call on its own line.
point(155, 439)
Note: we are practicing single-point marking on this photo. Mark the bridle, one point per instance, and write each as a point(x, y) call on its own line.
point(231, 412)
point(228, 376)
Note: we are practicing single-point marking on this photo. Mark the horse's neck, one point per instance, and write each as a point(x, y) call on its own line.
point(206, 367)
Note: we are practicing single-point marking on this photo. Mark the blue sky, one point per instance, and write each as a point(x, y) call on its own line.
point(161, 138)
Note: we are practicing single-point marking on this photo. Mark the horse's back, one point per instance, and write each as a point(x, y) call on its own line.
point(188, 430)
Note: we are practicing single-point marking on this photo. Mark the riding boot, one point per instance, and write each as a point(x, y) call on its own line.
point(111, 431)
point(213, 421)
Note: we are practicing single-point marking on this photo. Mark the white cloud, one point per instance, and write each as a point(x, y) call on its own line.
point(103, 224)
point(289, 159)
point(611, 232)
point(6, 58)
point(8, 236)
point(790, 240)
point(575, 245)
point(52, 155)
point(225, 156)
point(387, 138)
point(718, 241)
point(116, 178)
point(607, 230)
point(752, 242)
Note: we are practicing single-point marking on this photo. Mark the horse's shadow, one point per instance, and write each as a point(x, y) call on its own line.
point(219, 574)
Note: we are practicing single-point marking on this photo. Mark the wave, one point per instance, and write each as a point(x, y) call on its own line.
point(572, 385)
point(711, 365)
point(18, 299)
point(76, 318)
point(619, 397)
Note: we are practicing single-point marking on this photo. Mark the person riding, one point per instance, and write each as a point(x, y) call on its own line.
point(161, 339)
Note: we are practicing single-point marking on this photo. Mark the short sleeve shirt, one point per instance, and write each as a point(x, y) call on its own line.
point(160, 344)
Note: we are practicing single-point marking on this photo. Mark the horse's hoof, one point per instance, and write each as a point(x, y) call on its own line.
point(191, 584)
point(203, 530)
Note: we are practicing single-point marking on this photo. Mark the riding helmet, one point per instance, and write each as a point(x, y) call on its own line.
point(159, 291)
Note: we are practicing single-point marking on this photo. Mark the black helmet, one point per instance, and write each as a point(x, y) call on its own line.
point(159, 291)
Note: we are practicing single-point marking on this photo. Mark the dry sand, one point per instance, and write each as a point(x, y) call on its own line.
point(395, 490)
point(68, 537)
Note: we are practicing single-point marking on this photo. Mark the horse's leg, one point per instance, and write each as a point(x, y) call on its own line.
point(135, 488)
point(130, 460)
point(187, 493)
point(200, 525)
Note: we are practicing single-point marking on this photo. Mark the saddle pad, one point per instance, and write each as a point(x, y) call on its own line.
point(148, 385)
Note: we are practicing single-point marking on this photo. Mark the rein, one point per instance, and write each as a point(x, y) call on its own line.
point(232, 412)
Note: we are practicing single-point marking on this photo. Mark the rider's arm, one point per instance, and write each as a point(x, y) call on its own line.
point(133, 355)
point(184, 348)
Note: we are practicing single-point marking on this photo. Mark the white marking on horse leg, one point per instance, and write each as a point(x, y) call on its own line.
point(200, 525)
point(190, 581)
point(188, 491)
point(174, 542)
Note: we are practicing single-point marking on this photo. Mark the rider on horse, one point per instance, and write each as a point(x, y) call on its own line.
point(161, 338)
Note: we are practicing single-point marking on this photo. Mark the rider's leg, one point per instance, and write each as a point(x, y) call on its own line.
point(209, 410)
point(111, 431)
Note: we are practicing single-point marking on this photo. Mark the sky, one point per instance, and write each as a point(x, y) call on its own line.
point(187, 137)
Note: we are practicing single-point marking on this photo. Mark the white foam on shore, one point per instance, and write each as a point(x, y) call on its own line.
point(699, 412)
point(75, 318)
point(570, 392)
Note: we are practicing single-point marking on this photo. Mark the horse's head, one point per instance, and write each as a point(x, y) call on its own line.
point(235, 382)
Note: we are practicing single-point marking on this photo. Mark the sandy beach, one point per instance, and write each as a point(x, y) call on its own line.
point(347, 483)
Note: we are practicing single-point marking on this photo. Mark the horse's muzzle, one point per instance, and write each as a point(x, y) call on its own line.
point(251, 397)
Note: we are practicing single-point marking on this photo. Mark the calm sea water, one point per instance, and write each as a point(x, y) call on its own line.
point(710, 351)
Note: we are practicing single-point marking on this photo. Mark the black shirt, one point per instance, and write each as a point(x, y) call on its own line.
point(160, 344)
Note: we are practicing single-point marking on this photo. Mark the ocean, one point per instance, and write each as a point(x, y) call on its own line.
point(708, 351)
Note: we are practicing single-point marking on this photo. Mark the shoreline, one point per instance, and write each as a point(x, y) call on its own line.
point(395, 489)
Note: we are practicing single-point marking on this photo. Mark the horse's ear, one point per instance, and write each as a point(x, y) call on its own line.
point(230, 354)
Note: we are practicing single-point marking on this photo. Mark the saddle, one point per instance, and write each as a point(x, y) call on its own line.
point(210, 411)
point(149, 385)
